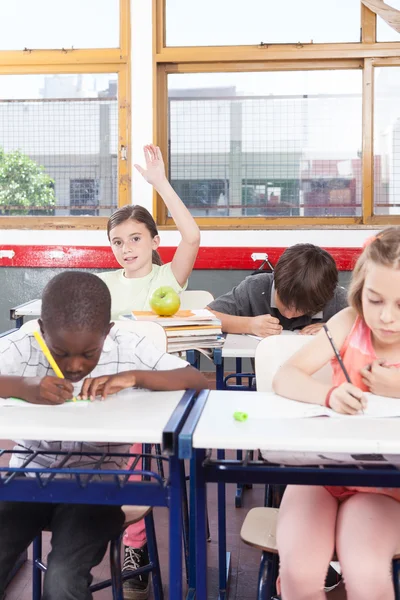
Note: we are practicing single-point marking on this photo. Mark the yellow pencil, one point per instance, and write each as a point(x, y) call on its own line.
point(49, 357)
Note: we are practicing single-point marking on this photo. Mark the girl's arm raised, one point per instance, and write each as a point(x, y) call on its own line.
point(185, 255)
point(294, 379)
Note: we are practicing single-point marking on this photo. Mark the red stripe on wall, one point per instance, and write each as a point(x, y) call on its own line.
point(101, 257)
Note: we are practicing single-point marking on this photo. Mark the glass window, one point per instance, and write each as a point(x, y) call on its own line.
point(49, 24)
point(387, 141)
point(267, 144)
point(233, 22)
point(385, 33)
point(58, 144)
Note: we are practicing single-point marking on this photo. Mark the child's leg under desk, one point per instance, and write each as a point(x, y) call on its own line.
point(306, 541)
point(135, 535)
point(368, 535)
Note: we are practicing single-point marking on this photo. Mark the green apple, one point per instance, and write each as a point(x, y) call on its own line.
point(165, 301)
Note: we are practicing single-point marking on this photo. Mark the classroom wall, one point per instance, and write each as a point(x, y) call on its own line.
point(21, 285)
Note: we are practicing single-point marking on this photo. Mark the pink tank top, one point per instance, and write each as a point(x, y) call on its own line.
point(357, 352)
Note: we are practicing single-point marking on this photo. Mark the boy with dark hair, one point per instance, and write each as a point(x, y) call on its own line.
point(302, 293)
point(75, 324)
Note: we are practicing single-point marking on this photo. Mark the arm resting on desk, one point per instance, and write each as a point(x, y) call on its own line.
point(175, 379)
point(262, 325)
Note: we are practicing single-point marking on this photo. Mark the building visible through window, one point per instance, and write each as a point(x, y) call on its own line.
point(84, 197)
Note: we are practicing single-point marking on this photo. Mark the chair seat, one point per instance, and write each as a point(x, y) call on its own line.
point(259, 530)
point(133, 514)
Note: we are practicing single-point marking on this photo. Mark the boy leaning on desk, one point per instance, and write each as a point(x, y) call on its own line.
point(75, 324)
point(301, 294)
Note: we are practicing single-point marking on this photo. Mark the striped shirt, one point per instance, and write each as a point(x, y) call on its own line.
point(20, 355)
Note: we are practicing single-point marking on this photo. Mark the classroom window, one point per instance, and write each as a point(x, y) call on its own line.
point(387, 141)
point(272, 144)
point(231, 22)
point(49, 24)
point(56, 131)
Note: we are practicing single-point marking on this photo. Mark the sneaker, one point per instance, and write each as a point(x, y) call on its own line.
point(136, 588)
point(333, 579)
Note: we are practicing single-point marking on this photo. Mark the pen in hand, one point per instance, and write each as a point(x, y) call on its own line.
point(338, 357)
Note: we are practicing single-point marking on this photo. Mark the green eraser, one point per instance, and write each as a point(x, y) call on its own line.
point(240, 416)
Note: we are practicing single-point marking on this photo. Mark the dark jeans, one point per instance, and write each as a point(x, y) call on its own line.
point(80, 534)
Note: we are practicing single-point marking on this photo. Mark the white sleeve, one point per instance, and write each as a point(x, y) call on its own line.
point(12, 354)
point(151, 358)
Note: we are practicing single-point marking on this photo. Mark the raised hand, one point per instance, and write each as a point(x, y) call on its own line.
point(154, 173)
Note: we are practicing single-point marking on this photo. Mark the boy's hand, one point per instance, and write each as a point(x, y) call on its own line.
point(348, 399)
point(311, 329)
point(154, 173)
point(265, 325)
point(107, 385)
point(49, 390)
point(382, 380)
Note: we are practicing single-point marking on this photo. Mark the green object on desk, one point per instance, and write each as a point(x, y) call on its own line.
point(240, 416)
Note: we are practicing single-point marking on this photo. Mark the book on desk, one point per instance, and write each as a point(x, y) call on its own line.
point(187, 329)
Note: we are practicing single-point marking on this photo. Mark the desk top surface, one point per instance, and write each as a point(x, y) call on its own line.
point(239, 346)
point(218, 429)
point(31, 308)
point(130, 416)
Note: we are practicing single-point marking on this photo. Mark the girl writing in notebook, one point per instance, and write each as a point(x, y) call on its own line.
point(361, 524)
point(134, 240)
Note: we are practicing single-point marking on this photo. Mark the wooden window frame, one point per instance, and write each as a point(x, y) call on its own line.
point(364, 55)
point(64, 61)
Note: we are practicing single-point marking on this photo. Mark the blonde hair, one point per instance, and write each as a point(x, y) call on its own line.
point(383, 249)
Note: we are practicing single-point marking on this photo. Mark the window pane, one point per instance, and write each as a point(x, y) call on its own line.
point(232, 22)
point(49, 24)
point(267, 144)
point(387, 141)
point(58, 144)
point(385, 33)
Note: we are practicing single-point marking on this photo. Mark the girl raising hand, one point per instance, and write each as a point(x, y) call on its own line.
point(134, 240)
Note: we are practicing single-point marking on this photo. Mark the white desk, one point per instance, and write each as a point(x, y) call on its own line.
point(217, 428)
point(28, 309)
point(211, 425)
point(239, 346)
point(130, 416)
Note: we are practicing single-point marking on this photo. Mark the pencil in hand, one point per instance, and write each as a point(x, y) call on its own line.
point(338, 357)
point(47, 353)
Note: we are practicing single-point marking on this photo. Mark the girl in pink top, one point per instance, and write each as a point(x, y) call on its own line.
point(361, 524)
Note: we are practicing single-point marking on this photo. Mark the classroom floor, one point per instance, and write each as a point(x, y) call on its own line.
point(245, 560)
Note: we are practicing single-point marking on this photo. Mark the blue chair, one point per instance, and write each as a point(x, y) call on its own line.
point(133, 514)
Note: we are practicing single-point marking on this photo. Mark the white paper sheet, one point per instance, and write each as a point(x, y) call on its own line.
point(16, 403)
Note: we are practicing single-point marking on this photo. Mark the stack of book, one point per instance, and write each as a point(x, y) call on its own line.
point(187, 329)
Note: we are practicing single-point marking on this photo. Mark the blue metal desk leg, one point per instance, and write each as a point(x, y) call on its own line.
point(219, 368)
point(193, 358)
point(192, 530)
point(224, 557)
point(239, 370)
point(200, 529)
point(175, 530)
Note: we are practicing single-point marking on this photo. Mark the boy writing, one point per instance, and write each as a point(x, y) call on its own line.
point(75, 324)
point(302, 293)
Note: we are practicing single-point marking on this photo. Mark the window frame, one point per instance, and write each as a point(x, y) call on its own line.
point(65, 61)
point(366, 55)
